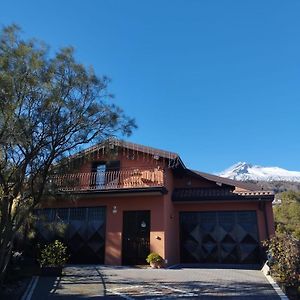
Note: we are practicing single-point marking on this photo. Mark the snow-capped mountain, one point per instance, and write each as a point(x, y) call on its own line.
point(244, 171)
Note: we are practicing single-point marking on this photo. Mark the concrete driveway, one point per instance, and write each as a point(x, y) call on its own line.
point(101, 282)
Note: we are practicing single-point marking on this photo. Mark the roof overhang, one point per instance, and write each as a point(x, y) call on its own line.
point(111, 143)
point(149, 191)
point(184, 195)
point(221, 181)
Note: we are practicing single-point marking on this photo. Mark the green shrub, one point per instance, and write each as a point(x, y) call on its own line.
point(154, 258)
point(284, 252)
point(287, 214)
point(54, 255)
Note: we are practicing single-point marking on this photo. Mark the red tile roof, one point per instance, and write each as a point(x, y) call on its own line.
point(219, 194)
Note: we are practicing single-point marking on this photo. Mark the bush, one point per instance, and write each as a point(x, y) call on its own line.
point(54, 255)
point(284, 262)
point(154, 258)
point(287, 214)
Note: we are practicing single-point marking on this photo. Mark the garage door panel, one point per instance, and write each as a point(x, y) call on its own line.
point(229, 239)
point(84, 231)
point(219, 233)
point(229, 253)
point(219, 237)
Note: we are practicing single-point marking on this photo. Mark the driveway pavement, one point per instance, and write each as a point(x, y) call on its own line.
point(103, 282)
point(77, 282)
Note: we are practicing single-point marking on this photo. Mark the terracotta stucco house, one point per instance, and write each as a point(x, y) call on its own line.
point(120, 201)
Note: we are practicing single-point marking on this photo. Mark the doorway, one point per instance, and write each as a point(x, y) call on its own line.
point(136, 237)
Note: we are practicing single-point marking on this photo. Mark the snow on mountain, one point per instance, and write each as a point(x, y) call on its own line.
point(243, 171)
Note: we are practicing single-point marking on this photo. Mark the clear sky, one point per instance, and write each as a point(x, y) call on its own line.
point(216, 81)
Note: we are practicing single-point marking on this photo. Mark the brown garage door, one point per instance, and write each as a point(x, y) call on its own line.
point(219, 237)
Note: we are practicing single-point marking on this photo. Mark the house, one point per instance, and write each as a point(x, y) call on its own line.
point(120, 201)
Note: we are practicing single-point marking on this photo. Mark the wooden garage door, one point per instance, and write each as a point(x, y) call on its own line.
point(219, 237)
point(82, 229)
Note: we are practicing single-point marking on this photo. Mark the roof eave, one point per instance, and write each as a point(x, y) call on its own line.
point(226, 181)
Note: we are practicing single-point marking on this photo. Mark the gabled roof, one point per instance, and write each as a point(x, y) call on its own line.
point(174, 159)
point(111, 142)
point(227, 181)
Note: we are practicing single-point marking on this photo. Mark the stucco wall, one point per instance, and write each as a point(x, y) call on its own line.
point(114, 222)
point(164, 232)
point(128, 159)
point(174, 242)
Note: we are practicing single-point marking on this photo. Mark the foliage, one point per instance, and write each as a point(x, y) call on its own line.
point(154, 258)
point(50, 106)
point(284, 251)
point(54, 255)
point(278, 186)
point(287, 214)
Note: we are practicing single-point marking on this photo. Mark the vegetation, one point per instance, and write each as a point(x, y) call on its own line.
point(278, 186)
point(284, 263)
point(154, 258)
point(50, 106)
point(284, 247)
point(287, 214)
point(54, 255)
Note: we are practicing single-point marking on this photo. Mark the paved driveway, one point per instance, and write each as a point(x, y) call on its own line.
point(100, 282)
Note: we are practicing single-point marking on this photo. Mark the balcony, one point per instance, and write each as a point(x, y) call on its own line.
point(110, 180)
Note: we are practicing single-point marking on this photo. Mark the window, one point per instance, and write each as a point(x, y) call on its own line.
point(104, 172)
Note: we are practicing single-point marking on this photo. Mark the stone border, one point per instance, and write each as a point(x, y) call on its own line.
point(30, 288)
point(266, 272)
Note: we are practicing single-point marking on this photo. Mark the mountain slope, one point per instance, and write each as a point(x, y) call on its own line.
point(246, 172)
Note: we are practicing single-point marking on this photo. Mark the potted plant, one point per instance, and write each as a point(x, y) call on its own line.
point(52, 258)
point(155, 260)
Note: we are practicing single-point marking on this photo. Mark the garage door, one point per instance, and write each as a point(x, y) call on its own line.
point(219, 237)
point(82, 229)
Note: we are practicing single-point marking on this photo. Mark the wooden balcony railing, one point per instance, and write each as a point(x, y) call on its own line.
point(123, 179)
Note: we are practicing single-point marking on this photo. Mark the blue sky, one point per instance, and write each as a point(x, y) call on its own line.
point(216, 81)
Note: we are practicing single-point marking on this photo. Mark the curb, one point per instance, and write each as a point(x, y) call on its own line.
point(279, 292)
point(30, 288)
point(173, 266)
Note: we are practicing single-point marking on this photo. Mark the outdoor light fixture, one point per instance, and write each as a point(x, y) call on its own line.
point(114, 209)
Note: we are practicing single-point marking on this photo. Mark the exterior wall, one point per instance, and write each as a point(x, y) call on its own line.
point(114, 222)
point(169, 222)
point(264, 212)
point(192, 182)
point(135, 170)
point(128, 159)
point(165, 228)
point(174, 243)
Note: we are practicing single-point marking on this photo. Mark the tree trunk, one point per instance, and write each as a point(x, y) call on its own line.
point(5, 252)
point(5, 262)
